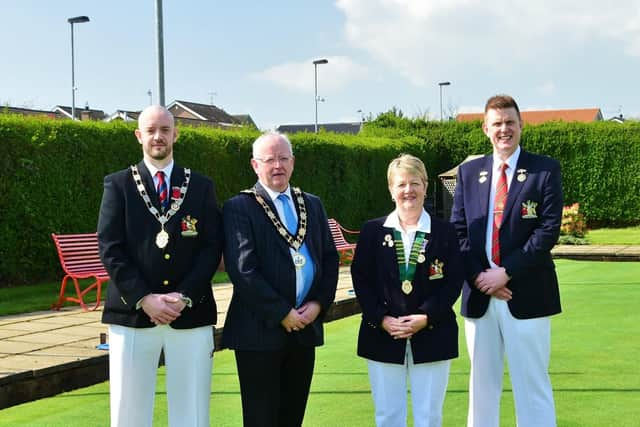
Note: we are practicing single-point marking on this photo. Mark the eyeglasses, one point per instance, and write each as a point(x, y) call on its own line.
point(270, 161)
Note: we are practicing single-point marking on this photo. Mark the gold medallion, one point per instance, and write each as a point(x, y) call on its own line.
point(421, 258)
point(299, 260)
point(482, 179)
point(521, 177)
point(407, 287)
point(162, 238)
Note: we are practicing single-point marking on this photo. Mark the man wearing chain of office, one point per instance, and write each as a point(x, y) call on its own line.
point(283, 263)
point(160, 236)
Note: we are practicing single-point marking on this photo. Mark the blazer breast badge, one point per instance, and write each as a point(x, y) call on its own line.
point(188, 226)
point(528, 210)
point(436, 270)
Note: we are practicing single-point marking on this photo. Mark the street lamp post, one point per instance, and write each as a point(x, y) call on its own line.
point(315, 73)
point(442, 84)
point(74, 20)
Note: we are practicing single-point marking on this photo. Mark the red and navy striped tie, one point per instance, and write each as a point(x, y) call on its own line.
point(500, 201)
point(163, 193)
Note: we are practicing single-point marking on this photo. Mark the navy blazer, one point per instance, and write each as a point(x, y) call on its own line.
point(526, 236)
point(137, 267)
point(259, 264)
point(376, 280)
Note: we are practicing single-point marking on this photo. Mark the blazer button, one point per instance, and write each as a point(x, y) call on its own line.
point(167, 256)
point(165, 282)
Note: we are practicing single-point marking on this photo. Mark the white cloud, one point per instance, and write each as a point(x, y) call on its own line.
point(299, 76)
point(424, 39)
point(546, 88)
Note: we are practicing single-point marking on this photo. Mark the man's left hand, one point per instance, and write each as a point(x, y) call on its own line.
point(309, 311)
point(492, 280)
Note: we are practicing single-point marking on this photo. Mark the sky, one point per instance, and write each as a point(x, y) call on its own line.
point(256, 57)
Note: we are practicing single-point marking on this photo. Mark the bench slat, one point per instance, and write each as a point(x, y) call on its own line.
point(80, 259)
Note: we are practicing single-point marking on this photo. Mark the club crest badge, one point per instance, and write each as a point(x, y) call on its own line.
point(528, 210)
point(188, 226)
point(436, 270)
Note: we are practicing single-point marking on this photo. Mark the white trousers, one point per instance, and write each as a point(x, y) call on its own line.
point(527, 345)
point(133, 364)
point(389, 390)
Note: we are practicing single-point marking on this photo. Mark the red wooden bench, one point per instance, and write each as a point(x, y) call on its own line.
point(345, 249)
point(79, 259)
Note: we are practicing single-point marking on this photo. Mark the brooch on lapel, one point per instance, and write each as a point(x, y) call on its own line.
point(483, 177)
point(436, 270)
point(421, 255)
point(175, 196)
point(388, 240)
point(528, 210)
point(522, 175)
point(188, 226)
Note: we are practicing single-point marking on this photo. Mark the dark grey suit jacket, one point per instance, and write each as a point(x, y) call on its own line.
point(259, 264)
point(126, 237)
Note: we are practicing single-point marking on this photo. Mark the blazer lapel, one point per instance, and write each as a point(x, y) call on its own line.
point(484, 188)
point(265, 196)
point(147, 180)
point(516, 185)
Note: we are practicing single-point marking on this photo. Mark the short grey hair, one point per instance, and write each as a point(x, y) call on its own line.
point(266, 136)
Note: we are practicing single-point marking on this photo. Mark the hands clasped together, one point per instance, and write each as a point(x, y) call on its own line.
point(404, 326)
point(163, 309)
point(298, 318)
point(493, 282)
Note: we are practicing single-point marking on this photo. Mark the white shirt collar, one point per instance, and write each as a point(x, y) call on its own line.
point(512, 161)
point(274, 194)
point(153, 170)
point(424, 223)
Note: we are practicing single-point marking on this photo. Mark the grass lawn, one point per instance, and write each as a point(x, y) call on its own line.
point(614, 236)
point(593, 368)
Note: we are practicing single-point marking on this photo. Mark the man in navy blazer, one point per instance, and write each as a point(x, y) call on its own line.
point(283, 263)
point(161, 249)
point(511, 286)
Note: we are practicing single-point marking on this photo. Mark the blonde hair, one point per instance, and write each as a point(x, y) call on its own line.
point(410, 164)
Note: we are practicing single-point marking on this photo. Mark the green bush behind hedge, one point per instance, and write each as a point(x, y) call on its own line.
point(51, 172)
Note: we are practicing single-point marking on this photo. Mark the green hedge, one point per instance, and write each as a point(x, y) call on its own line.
point(51, 172)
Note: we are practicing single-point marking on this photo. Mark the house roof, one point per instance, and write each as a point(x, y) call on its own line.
point(127, 116)
point(193, 110)
point(31, 112)
point(350, 128)
point(541, 116)
point(245, 119)
point(93, 114)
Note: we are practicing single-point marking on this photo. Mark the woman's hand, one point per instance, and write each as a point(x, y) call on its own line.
point(404, 326)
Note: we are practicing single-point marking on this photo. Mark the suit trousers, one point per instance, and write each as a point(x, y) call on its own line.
point(133, 363)
point(389, 390)
point(275, 385)
point(527, 345)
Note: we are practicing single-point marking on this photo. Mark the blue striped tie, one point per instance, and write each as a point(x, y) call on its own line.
point(308, 268)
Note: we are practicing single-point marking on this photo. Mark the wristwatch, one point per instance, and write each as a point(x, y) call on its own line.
point(186, 300)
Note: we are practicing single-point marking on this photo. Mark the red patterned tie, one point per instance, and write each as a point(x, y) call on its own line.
point(500, 201)
point(162, 191)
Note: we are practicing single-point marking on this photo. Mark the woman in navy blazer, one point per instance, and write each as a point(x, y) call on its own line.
point(407, 274)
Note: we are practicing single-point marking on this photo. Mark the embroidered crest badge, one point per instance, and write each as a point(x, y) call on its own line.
point(436, 270)
point(188, 226)
point(528, 210)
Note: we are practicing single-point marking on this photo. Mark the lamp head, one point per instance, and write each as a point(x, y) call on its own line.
point(78, 19)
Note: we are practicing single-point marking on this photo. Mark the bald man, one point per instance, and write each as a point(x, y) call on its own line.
point(160, 235)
